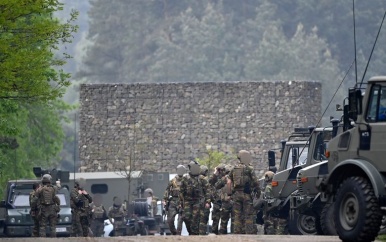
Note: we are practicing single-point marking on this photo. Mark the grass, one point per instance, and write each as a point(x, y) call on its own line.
point(381, 237)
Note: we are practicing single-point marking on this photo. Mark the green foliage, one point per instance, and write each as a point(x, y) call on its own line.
point(214, 158)
point(31, 113)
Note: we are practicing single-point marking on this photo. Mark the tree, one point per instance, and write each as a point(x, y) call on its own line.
point(214, 158)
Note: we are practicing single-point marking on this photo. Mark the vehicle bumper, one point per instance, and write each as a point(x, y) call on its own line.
point(26, 231)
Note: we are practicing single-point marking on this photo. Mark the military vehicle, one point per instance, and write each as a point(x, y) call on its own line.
point(15, 218)
point(356, 179)
point(297, 154)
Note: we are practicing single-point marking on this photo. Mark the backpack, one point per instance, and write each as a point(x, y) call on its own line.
point(194, 189)
point(99, 212)
point(47, 195)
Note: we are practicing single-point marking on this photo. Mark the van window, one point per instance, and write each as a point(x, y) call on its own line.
point(160, 177)
point(99, 188)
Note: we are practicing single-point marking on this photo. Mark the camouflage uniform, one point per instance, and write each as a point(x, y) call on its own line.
point(47, 207)
point(195, 195)
point(81, 210)
point(244, 182)
point(272, 225)
point(216, 197)
point(118, 213)
point(226, 211)
point(205, 212)
point(34, 205)
point(99, 215)
point(172, 201)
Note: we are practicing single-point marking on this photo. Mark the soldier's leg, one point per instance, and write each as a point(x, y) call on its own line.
point(188, 216)
point(76, 229)
point(42, 225)
point(35, 229)
point(195, 224)
point(281, 226)
point(84, 225)
point(180, 220)
point(216, 217)
point(249, 213)
point(225, 214)
point(53, 220)
point(172, 211)
point(269, 225)
point(204, 218)
point(237, 210)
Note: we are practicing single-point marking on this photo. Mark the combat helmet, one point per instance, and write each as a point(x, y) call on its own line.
point(181, 170)
point(244, 157)
point(204, 170)
point(80, 183)
point(268, 176)
point(194, 168)
point(117, 202)
point(46, 178)
point(148, 192)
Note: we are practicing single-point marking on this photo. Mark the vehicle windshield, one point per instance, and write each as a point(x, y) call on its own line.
point(22, 200)
point(302, 151)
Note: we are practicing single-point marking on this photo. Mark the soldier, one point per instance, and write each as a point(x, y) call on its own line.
point(117, 218)
point(204, 213)
point(216, 196)
point(225, 184)
point(48, 201)
point(34, 205)
point(272, 225)
point(80, 209)
point(244, 183)
point(99, 215)
point(151, 201)
point(171, 201)
point(195, 195)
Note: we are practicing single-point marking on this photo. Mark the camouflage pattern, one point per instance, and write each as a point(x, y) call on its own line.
point(34, 205)
point(216, 197)
point(99, 215)
point(226, 210)
point(272, 225)
point(117, 213)
point(47, 211)
point(244, 183)
point(195, 193)
point(81, 212)
point(172, 201)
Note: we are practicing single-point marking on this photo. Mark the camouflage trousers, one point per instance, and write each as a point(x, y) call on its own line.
point(204, 218)
point(191, 216)
point(225, 214)
point(80, 224)
point(119, 228)
point(216, 215)
point(97, 227)
point(48, 215)
point(173, 210)
point(274, 225)
point(244, 213)
point(35, 229)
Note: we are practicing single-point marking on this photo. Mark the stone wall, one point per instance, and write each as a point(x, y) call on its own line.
point(158, 126)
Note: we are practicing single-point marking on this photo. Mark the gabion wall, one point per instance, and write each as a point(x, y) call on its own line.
point(155, 127)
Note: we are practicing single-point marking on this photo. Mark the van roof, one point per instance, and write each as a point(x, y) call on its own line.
point(105, 175)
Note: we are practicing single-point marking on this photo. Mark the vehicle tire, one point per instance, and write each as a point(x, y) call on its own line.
point(302, 224)
point(357, 213)
point(327, 219)
point(141, 209)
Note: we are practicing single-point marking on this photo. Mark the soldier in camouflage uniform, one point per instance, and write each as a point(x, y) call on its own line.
point(195, 195)
point(117, 215)
point(272, 225)
point(216, 196)
point(48, 202)
point(99, 215)
point(171, 201)
point(244, 182)
point(34, 205)
point(204, 213)
point(80, 208)
point(226, 211)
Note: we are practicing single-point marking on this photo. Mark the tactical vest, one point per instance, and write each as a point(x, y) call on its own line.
point(99, 212)
point(240, 177)
point(47, 195)
point(193, 189)
point(33, 200)
point(175, 190)
point(118, 214)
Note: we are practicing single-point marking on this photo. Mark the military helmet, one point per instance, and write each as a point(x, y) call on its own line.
point(80, 182)
point(220, 166)
point(148, 192)
point(46, 178)
point(181, 170)
point(244, 157)
point(203, 170)
point(194, 168)
point(268, 176)
point(228, 168)
point(117, 202)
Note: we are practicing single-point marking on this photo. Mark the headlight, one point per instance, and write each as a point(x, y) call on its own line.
point(12, 220)
point(66, 219)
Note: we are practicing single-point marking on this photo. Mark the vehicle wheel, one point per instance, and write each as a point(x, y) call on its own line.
point(327, 219)
point(302, 224)
point(357, 213)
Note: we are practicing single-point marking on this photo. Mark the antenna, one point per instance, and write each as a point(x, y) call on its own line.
point(355, 43)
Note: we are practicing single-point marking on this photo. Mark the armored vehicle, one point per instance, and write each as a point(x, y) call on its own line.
point(356, 168)
point(296, 155)
point(15, 218)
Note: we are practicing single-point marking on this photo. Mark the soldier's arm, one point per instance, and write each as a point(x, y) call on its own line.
point(213, 179)
point(220, 183)
point(255, 183)
point(208, 191)
point(166, 194)
point(75, 196)
point(182, 192)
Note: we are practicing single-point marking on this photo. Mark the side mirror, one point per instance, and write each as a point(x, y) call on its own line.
point(2, 204)
point(271, 158)
point(354, 103)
